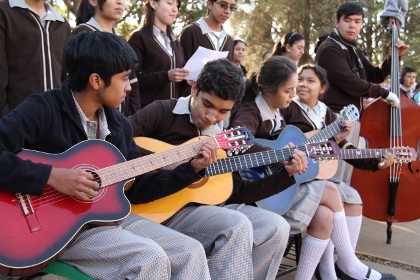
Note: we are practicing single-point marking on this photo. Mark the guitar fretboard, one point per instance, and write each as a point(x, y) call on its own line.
point(242, 162)
point(363, 153)
point(126, 170)
point(326, 133)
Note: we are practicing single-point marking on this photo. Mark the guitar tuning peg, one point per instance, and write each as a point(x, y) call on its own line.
point(229, 152)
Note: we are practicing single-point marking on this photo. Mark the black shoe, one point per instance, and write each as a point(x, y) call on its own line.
point(384, 276)
point(317, 274)
point(337, 270)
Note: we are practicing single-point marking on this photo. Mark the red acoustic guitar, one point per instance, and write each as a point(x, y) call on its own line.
point(36, 229)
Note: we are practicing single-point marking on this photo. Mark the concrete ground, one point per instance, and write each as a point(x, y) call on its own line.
point(405, 248)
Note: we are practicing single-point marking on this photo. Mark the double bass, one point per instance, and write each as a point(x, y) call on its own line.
point(391, 195)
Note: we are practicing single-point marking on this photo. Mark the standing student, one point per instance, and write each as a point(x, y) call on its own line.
point(239, 52)
point(160, 56)
point(33, 36)
point(317, 205)
point(208, 31)
point(85, 107)
point(351, 76)
point(408, 81)
point(103, 15)
point(218, 87)
point(291, 45)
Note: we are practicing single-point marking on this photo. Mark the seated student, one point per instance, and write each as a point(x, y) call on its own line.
point(317, 205)
point(85, 107)
point(218, 87)
point(308, 113)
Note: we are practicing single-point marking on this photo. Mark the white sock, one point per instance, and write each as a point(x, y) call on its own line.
point(348, 262)
point(354, 223)
point(310, 254)
point(326, 264)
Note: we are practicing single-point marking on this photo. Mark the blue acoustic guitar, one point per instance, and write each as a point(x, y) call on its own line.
point(280, 203)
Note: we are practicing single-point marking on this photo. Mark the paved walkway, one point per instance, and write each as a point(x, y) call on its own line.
point(405, 247)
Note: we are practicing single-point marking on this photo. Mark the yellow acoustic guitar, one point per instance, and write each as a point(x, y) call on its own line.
point(216, 187)
point(213, 190)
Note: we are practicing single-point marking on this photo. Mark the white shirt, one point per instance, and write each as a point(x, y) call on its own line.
point(217, 38)
point(182, 107)
point(267, 114)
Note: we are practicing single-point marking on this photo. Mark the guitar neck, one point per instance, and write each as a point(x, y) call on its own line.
point(363, 153)
point(126, 170)
point(326, 133)
point(241, 162)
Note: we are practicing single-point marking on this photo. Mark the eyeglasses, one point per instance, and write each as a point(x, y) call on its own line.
point(226, 7)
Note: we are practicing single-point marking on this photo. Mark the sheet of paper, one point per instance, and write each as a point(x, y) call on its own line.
point(199, 58)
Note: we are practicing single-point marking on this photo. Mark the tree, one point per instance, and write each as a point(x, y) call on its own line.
point(262, 23)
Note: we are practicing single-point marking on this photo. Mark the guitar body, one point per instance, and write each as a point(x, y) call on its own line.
point(327, 168)
point(210, 190)
point(30, 243)
point(280, 203)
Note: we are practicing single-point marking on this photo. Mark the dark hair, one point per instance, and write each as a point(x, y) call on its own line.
point(212, 2)
point(289, 39)
point(223, 79)
point(348, 9)
point(235, 42)
point(318, 70)
point(417, 86)
point(85, 11)
point(319, 41)
point(267, 52)
point(148, 20)
point(274, 73)
point(97, 52)
point(404, 72)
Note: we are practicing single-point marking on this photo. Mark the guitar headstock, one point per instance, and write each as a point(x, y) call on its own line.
point(350, 113)
point(404, 154)
point(323, 150)
point(235, 140)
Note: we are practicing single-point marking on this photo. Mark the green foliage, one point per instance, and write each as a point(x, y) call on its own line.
point(262, 23)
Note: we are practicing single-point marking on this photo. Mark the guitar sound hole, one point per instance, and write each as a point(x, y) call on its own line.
point(198, 184)
point(96, 178)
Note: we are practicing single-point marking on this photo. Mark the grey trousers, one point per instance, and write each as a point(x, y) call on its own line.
point(271, 234)
point(137, 249)
point(244, 242)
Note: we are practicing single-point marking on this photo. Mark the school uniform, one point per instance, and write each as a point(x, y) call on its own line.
point(350, 83)
point(32, 55)
point(156, 56)
point(138, 248)
point(174, 125)
point(199, 34)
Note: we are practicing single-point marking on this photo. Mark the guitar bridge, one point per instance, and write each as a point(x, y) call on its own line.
point(29, 212)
